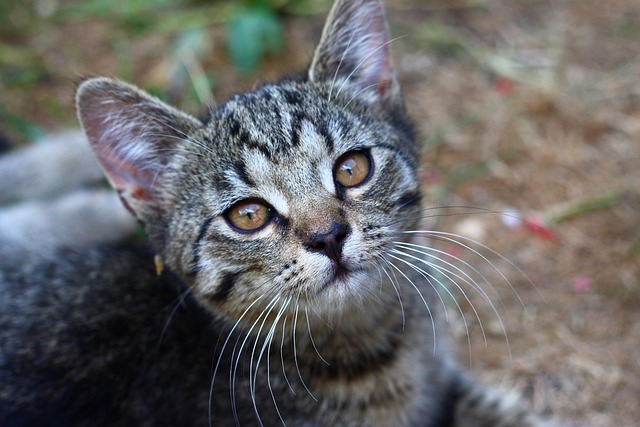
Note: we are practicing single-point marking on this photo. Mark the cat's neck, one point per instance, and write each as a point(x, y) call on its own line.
point(376, 352)
point(359, 337)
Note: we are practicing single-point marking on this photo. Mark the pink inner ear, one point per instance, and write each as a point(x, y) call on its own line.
point(121, 179)
point(134, 137)
point(127, 177)
point(127, 159)
point(379, 70)
point(132, 181)
point(355, 46)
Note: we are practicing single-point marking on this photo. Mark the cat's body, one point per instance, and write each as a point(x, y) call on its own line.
point(273, 292)
point(142, 356)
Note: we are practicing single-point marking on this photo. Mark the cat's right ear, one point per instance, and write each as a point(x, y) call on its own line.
point(354, 52)
point(133, 135)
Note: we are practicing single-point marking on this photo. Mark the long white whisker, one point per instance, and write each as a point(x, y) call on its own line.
point(284, 373)
point(396, 288)
point(295, 349)
point(270, 336)
point(433, 323)
point(430, 279)
point(457, 272)
point(447, 274)
point(427, 276)
point(464, 277)
point(224, 346)
point(421, 249)
point(234, 370)
point(267, 343)
point(450, 238)
point(306, 312)
point(253, 373)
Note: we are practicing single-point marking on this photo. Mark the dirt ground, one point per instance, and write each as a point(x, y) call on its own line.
point(529, 116)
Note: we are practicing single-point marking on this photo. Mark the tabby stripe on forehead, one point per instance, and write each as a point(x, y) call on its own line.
point(224, 287)
point(292, 97)
point(195, 249)
point(296, 124)
point(246, 139)
point(326, 136)
point(241, 170)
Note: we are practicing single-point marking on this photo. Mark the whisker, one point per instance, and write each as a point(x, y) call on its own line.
point(430, 278)
point(270, 336)
point(224, 346)
point(457, 272)
point(464, 277)
point(253, 373)
point(234, 370)
point(433, 323)
point(284, 373)
point(295, 349)
point(425, 274)
point(311, 337)
point(450, 237)
point(396, 289)
point(468, 210)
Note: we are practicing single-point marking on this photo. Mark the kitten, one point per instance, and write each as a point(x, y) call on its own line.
point(271, 291)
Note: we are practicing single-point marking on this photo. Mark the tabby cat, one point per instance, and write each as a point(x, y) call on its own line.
point(272, 290)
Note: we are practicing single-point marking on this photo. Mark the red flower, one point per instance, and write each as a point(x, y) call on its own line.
point(503, 85)
point(537, 227)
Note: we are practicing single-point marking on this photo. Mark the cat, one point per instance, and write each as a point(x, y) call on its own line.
point(271, 291)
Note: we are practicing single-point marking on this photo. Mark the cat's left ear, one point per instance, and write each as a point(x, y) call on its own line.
point(354, 51)
point(134, 136)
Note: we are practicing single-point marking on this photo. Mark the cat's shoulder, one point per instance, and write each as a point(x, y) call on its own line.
point(72, 286)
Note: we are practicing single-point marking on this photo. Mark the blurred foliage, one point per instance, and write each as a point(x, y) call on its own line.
point(31, 29)
point(254, 31)
point(29, 131)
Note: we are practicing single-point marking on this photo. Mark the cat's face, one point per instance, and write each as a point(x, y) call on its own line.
point(294, 192)
point(296, 197)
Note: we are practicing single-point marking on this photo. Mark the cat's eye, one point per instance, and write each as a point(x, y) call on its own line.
point(249, 215)
point(352, 169)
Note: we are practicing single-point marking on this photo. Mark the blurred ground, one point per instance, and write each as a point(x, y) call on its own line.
point(528, 107)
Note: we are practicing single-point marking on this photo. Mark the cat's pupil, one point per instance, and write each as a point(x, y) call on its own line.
point(352, 169)
point(249, 215)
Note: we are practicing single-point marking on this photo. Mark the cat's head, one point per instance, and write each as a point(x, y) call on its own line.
point(294, 191)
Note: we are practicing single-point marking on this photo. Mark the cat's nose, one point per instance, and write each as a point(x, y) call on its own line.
point(330, 243)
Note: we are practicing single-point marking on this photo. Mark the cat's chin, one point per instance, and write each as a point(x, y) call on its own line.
point(344, 283)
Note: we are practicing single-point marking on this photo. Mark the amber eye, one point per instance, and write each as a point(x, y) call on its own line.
point(249, 215)
point(352, 169)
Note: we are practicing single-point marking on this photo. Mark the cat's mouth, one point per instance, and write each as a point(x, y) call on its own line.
point(341, 273)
